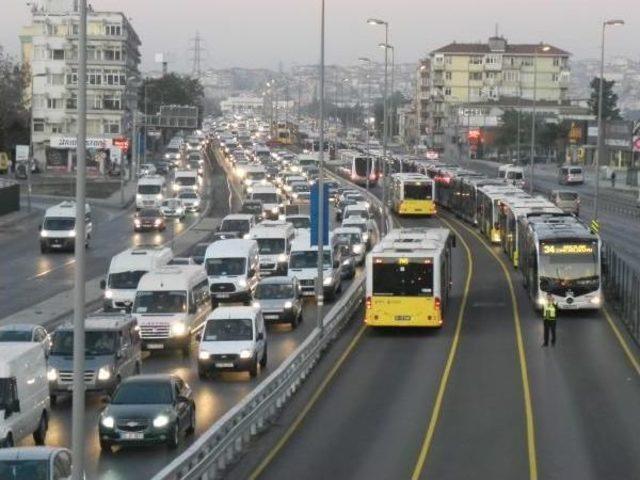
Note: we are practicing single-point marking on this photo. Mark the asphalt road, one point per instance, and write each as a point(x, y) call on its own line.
point(580, 418)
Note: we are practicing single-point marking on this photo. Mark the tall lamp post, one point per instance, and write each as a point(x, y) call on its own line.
point(385, 130)
point(538, 48)
point(391, 109)
point(320, 219)
point(600, 154)
point(368, 116)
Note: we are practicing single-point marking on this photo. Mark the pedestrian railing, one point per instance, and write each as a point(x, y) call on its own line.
point(621, 284)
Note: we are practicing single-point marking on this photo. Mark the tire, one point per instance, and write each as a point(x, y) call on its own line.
point(138, 369)
point(294, 322)
point(105, 446)
point(253, 370)
point(263, 360)
point(191, 429)
point(174, 439)
point(339, 289)
point(40, 434)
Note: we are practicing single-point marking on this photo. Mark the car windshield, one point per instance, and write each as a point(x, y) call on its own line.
point(188, 195)
point(97, 342)
point(308, 259)
point(567, 195)
point(172, 203)
point(149, 189)
point(225, 266)
point(348, 238)
point(256, 175)
point(514, 175)
point(274, 291)
point(143, 393)
point(356, 213)
point(186, 181)
point(149, 212)
point(235, 226)
point(228, 330)
point(125, 280)
point(59, 223)
point(199, 250)
point(300, 222)
point(22, 469)
point(361, 226)
point(575, 171)
point(266, 197)
point(270, 246)
point(251, 208)
point(15, 336)
point(160, 302)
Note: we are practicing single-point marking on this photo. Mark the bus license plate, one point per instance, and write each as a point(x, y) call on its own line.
point(403, 318)
point(132, 435)
point(222, 295)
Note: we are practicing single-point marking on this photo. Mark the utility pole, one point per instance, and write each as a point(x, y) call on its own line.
point(78, 395)
point(320, 276)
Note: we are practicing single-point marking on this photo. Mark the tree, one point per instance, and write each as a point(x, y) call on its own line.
point(610, 109)
point(170, 89)
point(14, 116)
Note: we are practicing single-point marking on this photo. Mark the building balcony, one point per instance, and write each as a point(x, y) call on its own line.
point(438, 66)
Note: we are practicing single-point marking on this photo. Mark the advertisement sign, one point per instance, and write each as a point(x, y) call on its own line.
point(60, 141)
point(22, 153)
point(116, 156)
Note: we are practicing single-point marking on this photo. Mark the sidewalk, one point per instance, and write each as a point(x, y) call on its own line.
point(115, 200)
point(22, 215)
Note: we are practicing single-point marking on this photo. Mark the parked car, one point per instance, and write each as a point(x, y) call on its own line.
point(148, 409)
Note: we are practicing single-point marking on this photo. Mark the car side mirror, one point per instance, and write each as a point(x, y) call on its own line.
point(103, 284)
point(260, 336)
point(39, 228)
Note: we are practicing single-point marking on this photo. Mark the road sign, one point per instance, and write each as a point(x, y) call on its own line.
point(595, 226)
point(314, 215)
point(22, 153)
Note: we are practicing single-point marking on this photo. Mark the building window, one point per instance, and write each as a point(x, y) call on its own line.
point(447, 75)
point(54, 103)
point(492, 60)
point(94, 77)
point(490, 75)
point(38, 124)
point(475, 60)
point(555, 78)
point(112, 102)
point(112, 54)
point(93, 53)
point(111, 126)
point(72, 78)
point(72, 102)
point(113, 77)
point(510, 76)
point(448, 60)
point(57, 54)
point(75, 29)
point(113, 30)
point(447, 91)
point(475, 76)
point(556, 61)
point(55, 128)
point(527, 62)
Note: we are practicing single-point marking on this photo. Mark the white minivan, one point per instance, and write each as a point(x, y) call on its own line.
point(24, 393)
point(58, 229)
point(233, 338)
point(303, 264)
point(233, 268)
point(150, 191)
point(186, 180)
point(274, 244)
point(126, 269)
point(171, 305)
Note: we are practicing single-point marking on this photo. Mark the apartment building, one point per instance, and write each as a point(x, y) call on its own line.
point(490, 73)
point(50, 47)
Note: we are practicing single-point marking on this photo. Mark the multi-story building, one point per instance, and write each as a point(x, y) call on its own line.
point(478, 73)
point(50, 47)
point(422, 95)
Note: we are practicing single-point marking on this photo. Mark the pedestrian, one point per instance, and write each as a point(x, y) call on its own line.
point(549, 320)
point(613, 179)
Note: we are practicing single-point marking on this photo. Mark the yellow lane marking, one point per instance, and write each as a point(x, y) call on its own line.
point(301, 416)
point(528, 408)
point(623, 343)
point(444, 380)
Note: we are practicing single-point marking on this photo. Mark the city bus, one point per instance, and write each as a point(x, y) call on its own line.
point(412, 194)
point(467, 204)
point(409, 278)
point(356, 166)
point(489, 199)
point(562, 257)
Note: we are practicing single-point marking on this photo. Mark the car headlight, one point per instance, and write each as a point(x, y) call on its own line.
point(104, 373)
point(161, 421)
point(157, 222)
point(136, 222)
point(357, 249)
point(178, 329)
point(176, 187)
point(247, 182)
point(108, 422)
point(44, 234)
point(249, 189)
point(52, 374)
point(347, 261)
point(204, 355)
point(139, 197)
point(275, 209)
point(288, 304)
point(365, 237)
point(256, 304)
point(282, 258)
point(242, 283)
point(108, 294)
point(541, 300)
point(327, 281)
point(72, 233)
point(246, 354)
point(595, 300)
point(159, 196)
point(246, 236)
point(295, 195)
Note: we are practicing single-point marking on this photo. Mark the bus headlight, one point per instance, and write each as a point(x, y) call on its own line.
point(275, 209)
point(138, 197)
point(178, 329)
point(596, 300)
point(108, 294)
point(159, 196)
point(72, 233)
point(256, 304)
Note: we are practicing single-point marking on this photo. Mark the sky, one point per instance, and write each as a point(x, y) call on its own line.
point(265, 33)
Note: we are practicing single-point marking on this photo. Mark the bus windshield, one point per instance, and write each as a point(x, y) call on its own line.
point(418, 191)
point(393, 278)
point(160, 302)
point(360, 165)
point(569, 267)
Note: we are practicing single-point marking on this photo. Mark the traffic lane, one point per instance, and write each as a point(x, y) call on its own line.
point(482, 427)
point(372, 417)
point(585, 397)
point(213, 398)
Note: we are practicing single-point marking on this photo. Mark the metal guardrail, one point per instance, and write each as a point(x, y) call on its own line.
point(621, 284)
point(217, 448)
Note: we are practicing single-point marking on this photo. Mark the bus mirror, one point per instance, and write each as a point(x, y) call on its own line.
point(103, 284)
point(454, 241)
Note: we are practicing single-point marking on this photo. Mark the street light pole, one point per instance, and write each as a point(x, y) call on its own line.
point(368, 117)
point(320, 279)
point(78, 407)
point(543, 48)
point(600, 154)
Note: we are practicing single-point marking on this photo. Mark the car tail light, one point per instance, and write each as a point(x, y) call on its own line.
point(368, 302)
point(437, 303)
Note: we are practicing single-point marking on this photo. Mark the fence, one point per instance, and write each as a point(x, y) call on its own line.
point(621, 285)
point(9, 196)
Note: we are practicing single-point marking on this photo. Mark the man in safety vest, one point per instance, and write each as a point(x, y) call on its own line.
point(549, 313)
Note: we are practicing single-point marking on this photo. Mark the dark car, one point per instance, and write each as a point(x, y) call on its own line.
point(280, 300)
point(198, 251)
point(149, 219)
point(253, 207)
point(148, 409)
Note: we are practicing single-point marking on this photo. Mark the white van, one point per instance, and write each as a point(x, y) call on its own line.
point(254, 175)
point(126, 269)
point(150, 191)
point(24, 393)
point(270, 198)
point(186, 179)
point(502, 170)
point(233, 268)
point(234, 338)
point(58, 228)
point(303, 264)
point(171, 304)
point(274, 244)
point(512, 175)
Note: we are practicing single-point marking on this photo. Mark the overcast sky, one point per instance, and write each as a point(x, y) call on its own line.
point(262, 33)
